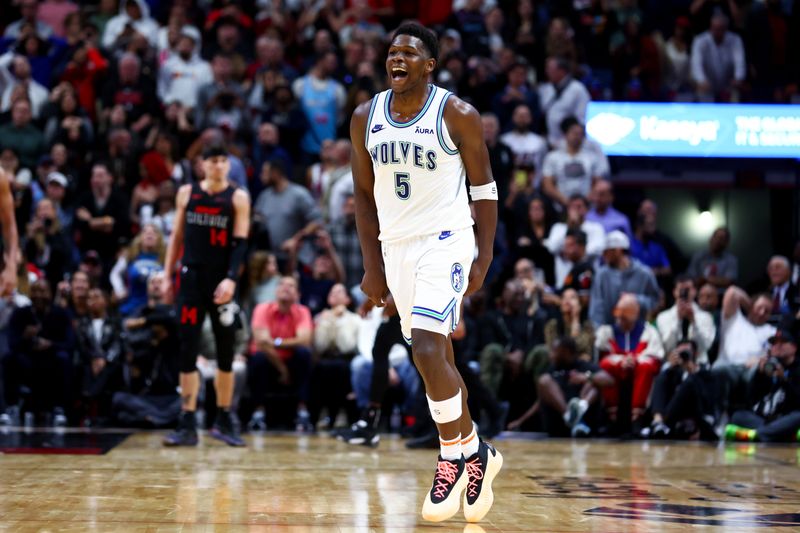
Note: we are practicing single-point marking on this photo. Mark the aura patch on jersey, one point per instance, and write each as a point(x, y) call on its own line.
point(457, 277)
point(403, 153)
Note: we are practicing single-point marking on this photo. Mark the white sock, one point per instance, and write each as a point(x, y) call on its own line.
point(450, 449)
point(470, 443)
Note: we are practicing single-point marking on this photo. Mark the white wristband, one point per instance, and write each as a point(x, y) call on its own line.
point(487, 191)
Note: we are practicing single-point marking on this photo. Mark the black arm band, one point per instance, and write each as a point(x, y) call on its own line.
point(237, 257)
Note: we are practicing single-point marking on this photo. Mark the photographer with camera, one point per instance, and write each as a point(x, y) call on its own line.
point(775, 394)
point(686, 321)
point(683, 398)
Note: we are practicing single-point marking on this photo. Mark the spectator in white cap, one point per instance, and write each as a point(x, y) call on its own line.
point(620, 274)
point(55, 191)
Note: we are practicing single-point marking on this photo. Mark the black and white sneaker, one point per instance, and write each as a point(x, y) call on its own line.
point(444, 498)
point(482, 467)
point(225, 430)
point(360, 433)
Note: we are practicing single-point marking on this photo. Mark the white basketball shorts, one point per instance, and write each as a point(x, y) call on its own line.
point(427, 277)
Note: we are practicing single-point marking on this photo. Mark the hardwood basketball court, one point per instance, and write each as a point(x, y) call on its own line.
point(313, 483)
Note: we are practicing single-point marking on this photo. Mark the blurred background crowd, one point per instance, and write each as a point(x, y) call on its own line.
point(594, 319)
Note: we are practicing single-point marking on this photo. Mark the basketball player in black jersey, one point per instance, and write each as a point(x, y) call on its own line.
point(212, 221)
point(10, 243)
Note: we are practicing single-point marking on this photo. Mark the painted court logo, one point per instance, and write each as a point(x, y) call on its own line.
point(457, 277)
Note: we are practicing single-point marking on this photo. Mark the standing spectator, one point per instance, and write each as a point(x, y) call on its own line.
point(288, 212)
point(620, 274)
point(572, 323)
point(743, 341)
point(280, 351)
point(785, 298)
point(574, 168)
point(775, 413)
point(678, 261)
point(561, 97)
point(630, 350)
point(221, 103)
point(569, 391)
point(344, 236)
point(637, 64)
point(268, 148)
point(101, 218)
point(21, 135)
point(133, 17)
point(603, 211)
point(84, 71)
point(715, 265)
point(529, 148)
point(649, 252)
point(184, 72)
point(19, 75)
point(677, 76)
point(41, 339)
point(322, 99)
point(687, 321)
point(718, 62)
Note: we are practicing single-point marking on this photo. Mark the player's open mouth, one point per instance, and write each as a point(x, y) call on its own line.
point(399, 73)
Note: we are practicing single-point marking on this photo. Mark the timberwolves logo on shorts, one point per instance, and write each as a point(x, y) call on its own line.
point(457, 277)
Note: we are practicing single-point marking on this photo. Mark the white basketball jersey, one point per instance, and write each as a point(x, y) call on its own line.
point(419, 175)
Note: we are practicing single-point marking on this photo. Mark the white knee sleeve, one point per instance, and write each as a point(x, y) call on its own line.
point(447, 410)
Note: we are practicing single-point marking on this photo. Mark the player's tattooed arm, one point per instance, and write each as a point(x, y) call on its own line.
point(465, 128)
point(374, 282)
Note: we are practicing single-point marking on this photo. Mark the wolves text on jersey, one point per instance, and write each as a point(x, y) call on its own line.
point(399, 152)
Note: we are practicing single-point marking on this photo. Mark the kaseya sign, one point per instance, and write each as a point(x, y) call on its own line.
point(695, 130)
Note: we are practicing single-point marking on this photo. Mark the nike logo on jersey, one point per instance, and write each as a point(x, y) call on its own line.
point(423, 130)
point(376, 128)
point(445, 234)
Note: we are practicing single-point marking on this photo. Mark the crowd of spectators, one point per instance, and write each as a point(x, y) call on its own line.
point(592, 321)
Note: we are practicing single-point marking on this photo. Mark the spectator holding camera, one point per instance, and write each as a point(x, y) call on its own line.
point(569, 391)
point(686, 321)
point(775, 391)
point(46, 245)
point(683, 399)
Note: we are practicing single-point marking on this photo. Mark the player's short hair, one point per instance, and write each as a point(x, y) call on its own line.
point(214, 150)
point(428, 38)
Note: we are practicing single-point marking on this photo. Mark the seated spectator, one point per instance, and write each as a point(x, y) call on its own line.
point(47, 246)
point(718, 61)
point(715, 265)
point(132, 92)
point(530, 236)
point(743, 341)
point(103, 351)
point(21, 135)
point(529, 148)
point(163, 218)
point(133, 17)
point(683, 401)
point(262, 280)
point(68, 124)
point(572, 323)
point(572, 255)
point(30, 15)
point(649, 252)
point(687, 321)
point(15, 70)
point(516, 92)
point(268, 148)
point(572, 170)
point(581, 274)
point(630, 350)
point(620, 274)
point(56, 192)
point(72, 294)
point(577, 207)
point(569, 391)
point(677, 260)
point(134, 267)
point(222, 103)
point(280, 355)
point(774, 415)
point(561, 97)
point(326, 271)
point(603, 212)
point(785, 297)
point(501, 158)
point(336, 333)
point(41, 341)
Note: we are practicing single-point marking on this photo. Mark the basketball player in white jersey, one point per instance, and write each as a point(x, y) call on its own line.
point(10, 242)
point(413, 147)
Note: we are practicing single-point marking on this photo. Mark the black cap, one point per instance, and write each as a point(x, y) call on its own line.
point(783, 334)
point(214, 150)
